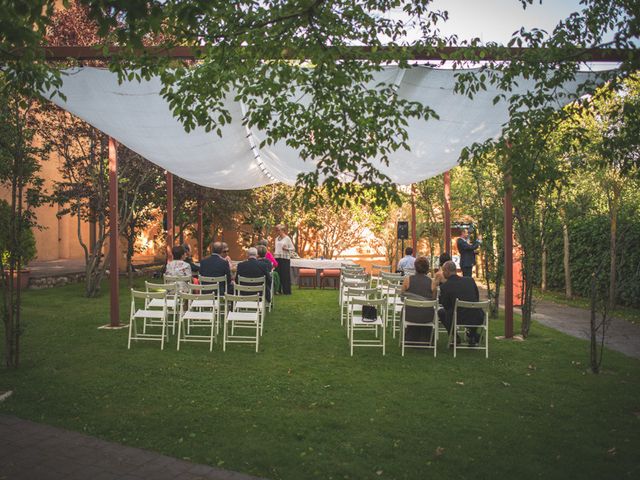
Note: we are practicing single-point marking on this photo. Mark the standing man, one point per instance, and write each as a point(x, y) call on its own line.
point(282, 253)
point(467, 252)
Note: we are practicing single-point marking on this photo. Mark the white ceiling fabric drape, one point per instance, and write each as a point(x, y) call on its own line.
point(137, 116)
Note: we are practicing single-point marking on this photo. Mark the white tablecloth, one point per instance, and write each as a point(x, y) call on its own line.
point(318, 264)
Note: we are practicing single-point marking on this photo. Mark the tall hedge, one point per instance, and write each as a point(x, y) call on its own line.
point(589, 244)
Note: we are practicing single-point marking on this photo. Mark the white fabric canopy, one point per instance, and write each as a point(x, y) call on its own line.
point(137, 116)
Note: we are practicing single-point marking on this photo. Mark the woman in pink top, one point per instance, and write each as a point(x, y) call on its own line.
point(268, 256)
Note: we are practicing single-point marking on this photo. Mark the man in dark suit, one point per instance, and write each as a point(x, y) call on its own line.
point(253, 268)
point(463, 288)
point(467, 252)
point(216, 266)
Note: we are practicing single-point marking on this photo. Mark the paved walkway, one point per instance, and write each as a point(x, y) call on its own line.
point(31, 451)
point(622, 335)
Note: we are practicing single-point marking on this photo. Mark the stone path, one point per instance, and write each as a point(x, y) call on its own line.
point(32, 451)
point(622, 335)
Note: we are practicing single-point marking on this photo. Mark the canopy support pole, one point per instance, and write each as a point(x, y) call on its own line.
point(447, 213)
point(170, 229)
point(414, 232)
point(200, 233)
point(508, 256)
point(114, 235)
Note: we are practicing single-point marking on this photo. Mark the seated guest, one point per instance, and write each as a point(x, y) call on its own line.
point(178, 267)
point(407, 261)
point(268, 255)
point(216, 266)
point(254, 268)
point(418, 287)
point(462, 288)
point(189, 259)
point(262, 257)
point(438, 278)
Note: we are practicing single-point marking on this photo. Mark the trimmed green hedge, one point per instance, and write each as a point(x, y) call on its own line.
point(589, 250)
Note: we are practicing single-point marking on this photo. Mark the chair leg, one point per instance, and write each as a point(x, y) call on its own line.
point(180, 322)
point(224, 336)
point(384, 337)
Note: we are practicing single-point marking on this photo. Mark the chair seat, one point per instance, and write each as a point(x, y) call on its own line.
point(243, 316)
point(306, 272)
point(204, 304)
point(191, 315)
point(156, 302)
point(247, 305)
point(142, 313)
point(357, 320)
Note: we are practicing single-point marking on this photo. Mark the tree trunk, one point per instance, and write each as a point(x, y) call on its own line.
point(543, 271)
point(566, 257)
point(593, 347)
point(613, 215)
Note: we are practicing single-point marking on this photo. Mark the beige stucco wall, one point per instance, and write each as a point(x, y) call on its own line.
point(57, 238)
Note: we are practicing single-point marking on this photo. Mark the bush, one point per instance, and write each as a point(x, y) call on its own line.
point(589, 244)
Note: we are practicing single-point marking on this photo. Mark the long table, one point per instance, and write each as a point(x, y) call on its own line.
point(317, 264)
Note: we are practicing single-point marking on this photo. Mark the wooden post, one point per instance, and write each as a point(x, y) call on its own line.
point(114, 235)
point(447, 213)
point(200, 233)
point(170, 229)
point(508, 257)
point(414, 232)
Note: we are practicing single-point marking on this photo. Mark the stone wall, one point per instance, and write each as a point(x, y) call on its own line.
point(58, 280)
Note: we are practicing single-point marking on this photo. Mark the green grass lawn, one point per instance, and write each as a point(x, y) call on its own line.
point(302, 408)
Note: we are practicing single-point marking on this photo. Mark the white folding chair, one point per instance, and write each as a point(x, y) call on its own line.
point(360, 280)
point(395, 303)
point(205, 303)
point(242, 320)
point(483, 327)
point(221, 281)
point(180, 280)
point(358, 291)
point(197, 316)
point(171, 301)
point(425, 305)
point(242, 290)
point(376, 270)
point(358, 323)
point(152, 310)
point(259, 281)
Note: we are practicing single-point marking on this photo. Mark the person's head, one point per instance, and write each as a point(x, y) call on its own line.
point(263, 242)
point(178, 252)
point(448, 269)
point(421, 265)
point(187, 248)
point(281, 230)
point(408, 251)
point(444, 257)
point(262, 251)
point(252, 252)
point(216, 247)
point(225, 249)
point(464, 233)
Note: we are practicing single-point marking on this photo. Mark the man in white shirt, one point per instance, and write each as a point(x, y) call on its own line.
point(407, 261)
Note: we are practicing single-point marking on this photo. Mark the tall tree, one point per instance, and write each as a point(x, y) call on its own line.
point(20, 154)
